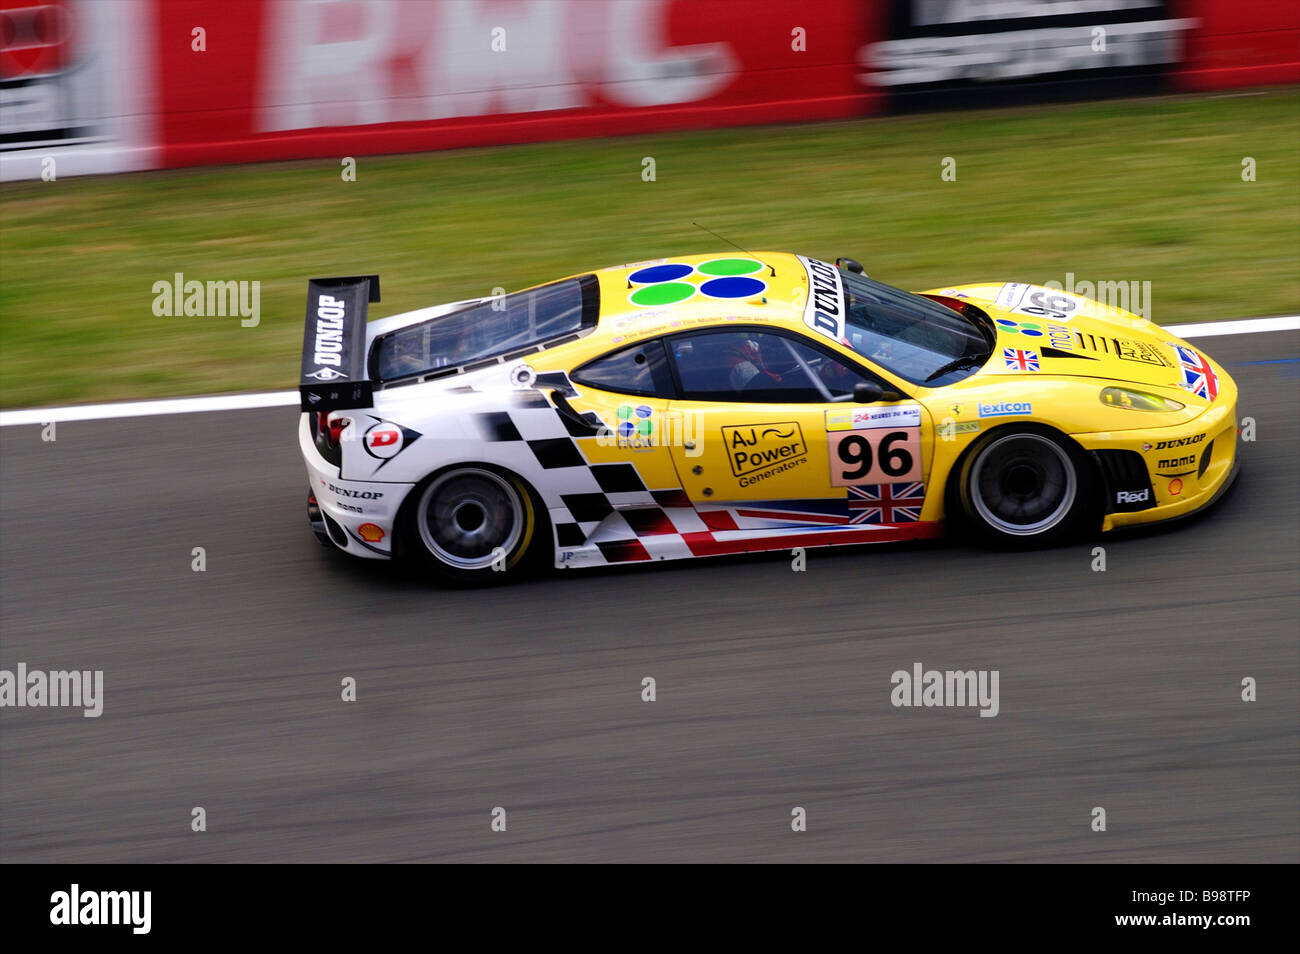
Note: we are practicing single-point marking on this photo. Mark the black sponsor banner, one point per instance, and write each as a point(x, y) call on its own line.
point(942, 54)
point(334, 343)
point(130, 905)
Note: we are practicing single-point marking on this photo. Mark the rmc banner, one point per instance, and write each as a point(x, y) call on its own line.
point(100, 86)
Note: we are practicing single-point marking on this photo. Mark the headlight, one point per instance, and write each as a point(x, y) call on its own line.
point(1137, 400)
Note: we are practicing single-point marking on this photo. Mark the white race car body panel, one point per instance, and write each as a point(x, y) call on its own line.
point(414, 430)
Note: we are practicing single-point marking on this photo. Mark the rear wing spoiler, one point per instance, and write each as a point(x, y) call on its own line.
point(334, 343)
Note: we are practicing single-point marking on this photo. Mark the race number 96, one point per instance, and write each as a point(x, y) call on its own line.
point(876, 456)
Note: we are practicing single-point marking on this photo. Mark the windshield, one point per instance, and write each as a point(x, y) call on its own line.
point(911, 336)
point(511, 326)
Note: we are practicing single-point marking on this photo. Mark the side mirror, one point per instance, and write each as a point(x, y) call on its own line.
point(849, 265)
point(867, 392)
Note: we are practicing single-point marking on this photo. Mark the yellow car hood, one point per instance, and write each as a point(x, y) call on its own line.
point(1044, 331)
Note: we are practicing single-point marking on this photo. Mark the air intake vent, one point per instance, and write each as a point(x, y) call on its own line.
point(1205, 460)
point(336, 532)
point(1122, 467)
point(1127, 486)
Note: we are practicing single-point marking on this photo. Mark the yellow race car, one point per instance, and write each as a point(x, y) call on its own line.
point(714, 404)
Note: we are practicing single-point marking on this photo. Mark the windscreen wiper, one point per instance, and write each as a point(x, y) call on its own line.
point(966, 360)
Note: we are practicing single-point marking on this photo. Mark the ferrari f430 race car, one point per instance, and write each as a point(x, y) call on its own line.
point(717, 404)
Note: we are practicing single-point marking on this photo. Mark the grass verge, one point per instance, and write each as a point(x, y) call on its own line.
point(1133, 190)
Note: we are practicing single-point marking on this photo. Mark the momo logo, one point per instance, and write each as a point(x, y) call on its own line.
point(1059, 336)
point(326, 374)
point(1173, 463)
point(754, 448)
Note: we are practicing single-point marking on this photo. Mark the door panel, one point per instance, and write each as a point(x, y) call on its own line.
point(876, 443)
point(753, 452)
point(766, 466)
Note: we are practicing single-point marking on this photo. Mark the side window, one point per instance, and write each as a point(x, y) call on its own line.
point(640, 369)
point(759, 366)
point(838, 377)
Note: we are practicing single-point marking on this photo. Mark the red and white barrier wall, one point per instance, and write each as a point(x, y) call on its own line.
point(96, 86)
point(1240, 43)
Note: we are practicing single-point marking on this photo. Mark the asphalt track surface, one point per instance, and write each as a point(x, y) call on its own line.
point(222, 689)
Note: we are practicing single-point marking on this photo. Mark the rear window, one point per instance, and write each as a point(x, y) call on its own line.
point(641, 369)
point(488, 332)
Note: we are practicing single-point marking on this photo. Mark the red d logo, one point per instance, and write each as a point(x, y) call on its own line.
point(383, 440)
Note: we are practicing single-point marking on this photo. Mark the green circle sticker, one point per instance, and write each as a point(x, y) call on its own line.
point(664, 293)
point(729, 266)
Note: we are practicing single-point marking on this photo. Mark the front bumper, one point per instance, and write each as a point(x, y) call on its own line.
point(1187, 466)
point(359, 516)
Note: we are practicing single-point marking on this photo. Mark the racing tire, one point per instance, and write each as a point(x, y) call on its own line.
point(1026, 487)
point(472, 525)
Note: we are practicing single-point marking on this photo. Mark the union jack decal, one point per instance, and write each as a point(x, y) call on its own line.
point(1198, 376)
point(886, 503)
point(1020, 360)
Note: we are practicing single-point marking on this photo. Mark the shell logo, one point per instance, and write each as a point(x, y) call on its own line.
point(370, 532)
point(1175, 487)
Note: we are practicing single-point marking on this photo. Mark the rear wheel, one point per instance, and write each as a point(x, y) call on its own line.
point(1026, 488)
point(472, 525)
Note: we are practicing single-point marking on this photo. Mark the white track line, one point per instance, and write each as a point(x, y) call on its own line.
point(1243, 326)
point(237, 402)
point(99, 412)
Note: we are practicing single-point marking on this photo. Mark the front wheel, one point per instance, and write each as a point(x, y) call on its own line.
point(1027, 488)
point(472, 525)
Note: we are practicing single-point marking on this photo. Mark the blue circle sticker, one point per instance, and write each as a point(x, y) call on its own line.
point(660, 273)
point(734, 286)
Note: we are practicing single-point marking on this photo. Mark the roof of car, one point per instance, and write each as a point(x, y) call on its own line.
point(651, 297)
